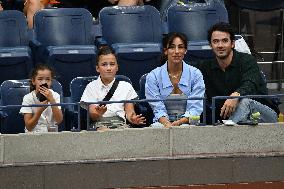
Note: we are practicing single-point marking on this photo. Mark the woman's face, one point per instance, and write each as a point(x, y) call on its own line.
point(175, 51)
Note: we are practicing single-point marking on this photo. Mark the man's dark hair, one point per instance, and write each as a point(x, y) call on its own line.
point(222, 27)
point(105, 50)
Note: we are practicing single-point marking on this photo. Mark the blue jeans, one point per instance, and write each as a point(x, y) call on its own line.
point(248, 106)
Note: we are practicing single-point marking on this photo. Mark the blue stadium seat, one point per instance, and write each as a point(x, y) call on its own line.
point(194, 20)
point(15, 54)
point(12, 93)
point(135, 33)
point(144, 107)
point(77, 87)
point(63, 38)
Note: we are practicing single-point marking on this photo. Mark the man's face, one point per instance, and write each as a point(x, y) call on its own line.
point(107, 66)
point(221, 44)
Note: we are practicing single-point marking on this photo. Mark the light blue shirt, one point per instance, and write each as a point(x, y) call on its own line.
point(159, 86)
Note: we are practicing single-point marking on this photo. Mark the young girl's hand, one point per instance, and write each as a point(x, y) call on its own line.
point(47, 93)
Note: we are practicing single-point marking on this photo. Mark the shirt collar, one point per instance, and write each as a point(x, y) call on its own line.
point(166, 79)
point(215, 65)
point(103, 86)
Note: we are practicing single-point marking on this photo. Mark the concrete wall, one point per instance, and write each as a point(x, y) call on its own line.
point(143, 157)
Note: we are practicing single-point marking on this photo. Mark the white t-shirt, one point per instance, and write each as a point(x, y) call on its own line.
point(96, 91)
point(46, 117)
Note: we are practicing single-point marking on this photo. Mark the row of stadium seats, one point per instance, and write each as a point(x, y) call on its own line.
point(13, 91)
point(68, 38)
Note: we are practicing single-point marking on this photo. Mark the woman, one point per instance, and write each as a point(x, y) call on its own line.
point(174, 79)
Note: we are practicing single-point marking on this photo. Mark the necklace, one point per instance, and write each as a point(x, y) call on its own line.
point(175, 76)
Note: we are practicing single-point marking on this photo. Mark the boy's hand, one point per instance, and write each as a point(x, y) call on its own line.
point(137, 119)
point(97, 109)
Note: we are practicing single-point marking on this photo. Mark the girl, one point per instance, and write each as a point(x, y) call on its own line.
point(39, 119)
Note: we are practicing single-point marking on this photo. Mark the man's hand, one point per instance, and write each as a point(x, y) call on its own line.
point(229, 106)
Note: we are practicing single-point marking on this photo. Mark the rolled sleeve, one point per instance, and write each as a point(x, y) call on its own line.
point(152, 92)
point(195, 107)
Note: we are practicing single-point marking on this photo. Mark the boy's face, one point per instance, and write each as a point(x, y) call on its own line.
point(107, 67)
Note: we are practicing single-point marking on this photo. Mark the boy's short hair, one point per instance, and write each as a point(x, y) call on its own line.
point(105, 50)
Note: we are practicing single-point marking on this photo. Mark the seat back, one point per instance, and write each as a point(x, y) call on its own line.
point(63, 26)
point(64, 40)
point(15, 55)
point(12, 93)
point(144, 108)
point(130, 24)
point(194, 19)
point(78, 85)
point(14, 29)
point(137, 59)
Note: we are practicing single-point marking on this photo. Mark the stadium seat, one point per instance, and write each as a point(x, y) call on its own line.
point(12, 93)
point(194, 20)
point(144, 107)
point(77, 87)
point(15, 54)
point(63, 38)
point(135, 33)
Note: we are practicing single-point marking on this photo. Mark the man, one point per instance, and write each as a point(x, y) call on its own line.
point(232, 73)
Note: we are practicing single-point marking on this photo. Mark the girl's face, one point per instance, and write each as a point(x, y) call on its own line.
point(43, 76)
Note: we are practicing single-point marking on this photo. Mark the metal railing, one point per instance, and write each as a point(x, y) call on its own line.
point(79, 105)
